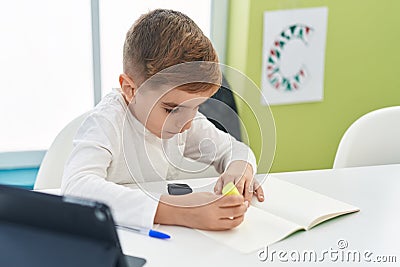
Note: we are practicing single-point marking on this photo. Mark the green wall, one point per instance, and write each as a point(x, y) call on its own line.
point(362, 73)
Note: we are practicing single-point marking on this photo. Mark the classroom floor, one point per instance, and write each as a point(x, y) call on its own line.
point(22, 178)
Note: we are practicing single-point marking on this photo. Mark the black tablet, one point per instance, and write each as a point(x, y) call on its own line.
point(38, 229)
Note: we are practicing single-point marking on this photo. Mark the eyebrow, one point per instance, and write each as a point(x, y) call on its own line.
point(173, 105)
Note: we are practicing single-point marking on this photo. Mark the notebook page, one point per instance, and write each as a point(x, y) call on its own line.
point(258, 229)
point(299, 205)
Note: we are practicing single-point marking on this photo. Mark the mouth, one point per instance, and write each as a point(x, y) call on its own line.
point(167, 134)
point(173, 133)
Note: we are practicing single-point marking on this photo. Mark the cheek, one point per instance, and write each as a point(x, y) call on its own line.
point(169, 120)
point(157, 119)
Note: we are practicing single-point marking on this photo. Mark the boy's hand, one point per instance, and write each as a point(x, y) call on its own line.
point(201, 210)
point(241, 174)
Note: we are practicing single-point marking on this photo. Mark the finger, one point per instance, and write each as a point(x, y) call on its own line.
point(231, 201)
point(240, 185)
point(248, 192)
point(228, 223)
point(259, 191)
point(251, 186)
point(232, 212)
point(218, 186)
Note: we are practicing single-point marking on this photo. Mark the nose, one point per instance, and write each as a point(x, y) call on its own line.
point(186, 126)
point(185, 122)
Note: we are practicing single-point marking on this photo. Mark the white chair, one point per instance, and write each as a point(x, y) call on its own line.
point(52, 166)
point(373, 139)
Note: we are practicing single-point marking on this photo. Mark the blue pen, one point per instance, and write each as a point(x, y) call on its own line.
point(145, 231)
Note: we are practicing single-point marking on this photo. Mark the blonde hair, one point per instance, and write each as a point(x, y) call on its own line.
point(163, 38)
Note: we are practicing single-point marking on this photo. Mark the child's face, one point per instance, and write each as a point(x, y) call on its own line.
point(166, 114)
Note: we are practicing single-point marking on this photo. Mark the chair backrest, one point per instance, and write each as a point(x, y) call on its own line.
point(52, 167)
point(373, 139)
point(224, 116)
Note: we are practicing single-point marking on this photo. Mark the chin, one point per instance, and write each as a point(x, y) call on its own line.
point(167, 135)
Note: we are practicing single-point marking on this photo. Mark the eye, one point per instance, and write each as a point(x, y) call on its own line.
point(171, 110)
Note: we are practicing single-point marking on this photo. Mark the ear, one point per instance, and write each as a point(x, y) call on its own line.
point(128, 87)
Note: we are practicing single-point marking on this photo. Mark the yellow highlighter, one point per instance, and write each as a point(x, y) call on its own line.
point(230, 189)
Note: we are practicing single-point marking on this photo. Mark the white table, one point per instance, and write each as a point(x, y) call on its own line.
point(375, 229)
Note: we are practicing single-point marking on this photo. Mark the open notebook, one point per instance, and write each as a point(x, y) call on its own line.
point(287, 208)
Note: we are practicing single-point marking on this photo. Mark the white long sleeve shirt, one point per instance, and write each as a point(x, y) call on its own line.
point(113, 150)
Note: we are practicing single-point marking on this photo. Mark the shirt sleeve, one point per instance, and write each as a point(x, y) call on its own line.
point(207, 144)
point(86, 171)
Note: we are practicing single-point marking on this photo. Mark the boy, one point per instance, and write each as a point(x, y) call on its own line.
point(132, 134)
